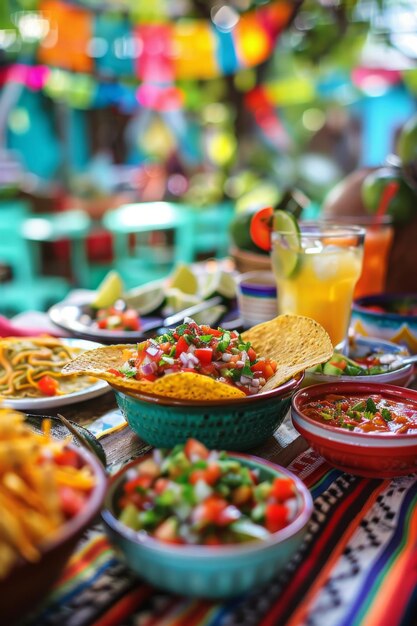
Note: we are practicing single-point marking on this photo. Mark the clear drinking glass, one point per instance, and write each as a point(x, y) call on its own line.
point(316, 272)
point(379, 235)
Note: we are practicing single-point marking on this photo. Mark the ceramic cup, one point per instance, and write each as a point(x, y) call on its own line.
point(257, 297)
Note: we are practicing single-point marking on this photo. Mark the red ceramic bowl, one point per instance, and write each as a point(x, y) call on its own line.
point(27, 584)
point(364, 454)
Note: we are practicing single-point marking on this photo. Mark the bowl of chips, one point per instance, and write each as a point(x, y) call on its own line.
point(50, 493)
point(224, 388)
point(206, 523)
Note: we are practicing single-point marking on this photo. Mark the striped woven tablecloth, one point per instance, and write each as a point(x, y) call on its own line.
point(357, 567)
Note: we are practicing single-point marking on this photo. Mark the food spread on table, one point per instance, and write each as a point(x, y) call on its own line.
point(113, 318)
point(44, 483)
point(203, 363)
point(364, 414)
point(191, 495)
point(30, 367)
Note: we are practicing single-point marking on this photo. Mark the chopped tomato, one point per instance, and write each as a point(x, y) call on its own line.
point(115, 372)
point(261, 227)
point(195, 450)
point(264, 368)
point(182, 346)
point(340, 364)
point(251, 354)
point(130, 320)
point(48, 386)
point(204, 355)
point(67, 458)
point(276, 517)
point(207, 330)
point(210, 474)
point(71, 501)
point(143, 481)
point(283, 489)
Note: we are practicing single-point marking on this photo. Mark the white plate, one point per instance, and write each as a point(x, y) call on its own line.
point(35, 404)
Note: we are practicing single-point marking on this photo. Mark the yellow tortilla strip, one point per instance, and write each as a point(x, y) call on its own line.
point(294, 341)
point(189, 386)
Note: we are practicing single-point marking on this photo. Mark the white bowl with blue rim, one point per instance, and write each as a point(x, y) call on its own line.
point(362, 347)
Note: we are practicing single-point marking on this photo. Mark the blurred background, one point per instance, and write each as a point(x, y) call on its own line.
point(216, 108)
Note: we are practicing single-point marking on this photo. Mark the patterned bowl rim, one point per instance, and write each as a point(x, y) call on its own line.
point(324, 431)
point(210, 552)
point(360, 306)
point(282, 391)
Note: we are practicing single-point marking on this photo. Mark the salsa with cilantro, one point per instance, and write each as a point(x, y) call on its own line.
point(192, 495)
point(218, 353)
point(364, 414)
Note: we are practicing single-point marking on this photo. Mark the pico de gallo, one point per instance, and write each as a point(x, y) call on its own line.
point(218, 353)
point(115, 319)
point(192, 495)
point(364, 414)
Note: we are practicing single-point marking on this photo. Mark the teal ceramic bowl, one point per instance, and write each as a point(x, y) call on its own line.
point(208, 571)
point(235, 424)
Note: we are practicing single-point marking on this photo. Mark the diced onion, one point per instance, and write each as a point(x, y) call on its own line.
point(226, 357)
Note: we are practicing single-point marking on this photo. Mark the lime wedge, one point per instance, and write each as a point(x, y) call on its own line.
point(210, 316)
point(146, 298)
point(177, 300)
point(287, 257)
point(109, 290)
point(184, 279)
point(219, 282)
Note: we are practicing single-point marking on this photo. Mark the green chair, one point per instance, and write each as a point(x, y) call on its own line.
point(73, 226)
point(137, 260)
point(209, 229)
point(26, 289)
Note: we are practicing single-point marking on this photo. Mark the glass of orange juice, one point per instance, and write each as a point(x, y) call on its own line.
point(379, 235)
point(316, 266)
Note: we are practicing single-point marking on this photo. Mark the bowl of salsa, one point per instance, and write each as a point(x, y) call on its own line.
point(206, 523)
point(367, 360)
point(388, 316)
point(361, 428)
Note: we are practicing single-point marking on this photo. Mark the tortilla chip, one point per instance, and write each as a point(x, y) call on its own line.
point(192, 386)
point(294, 341)
point(180, 385)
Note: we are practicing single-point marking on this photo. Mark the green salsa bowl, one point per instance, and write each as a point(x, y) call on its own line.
point(232, 424)
point(214, 572)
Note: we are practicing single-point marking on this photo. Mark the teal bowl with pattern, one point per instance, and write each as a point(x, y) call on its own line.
point(232, 424)
point(214, 572)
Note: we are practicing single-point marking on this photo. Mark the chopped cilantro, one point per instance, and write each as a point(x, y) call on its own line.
point(371, 406)
point(386, 415)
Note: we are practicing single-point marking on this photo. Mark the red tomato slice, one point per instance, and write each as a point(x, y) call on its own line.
point(195, 450)
point(283, 489)
point(182, 346)
point(204, 355)
point(261, 227)
point(48, 386)
point(130, 320)
point(276, 517)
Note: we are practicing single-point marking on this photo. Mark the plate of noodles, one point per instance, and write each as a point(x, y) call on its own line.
point(31, 373)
